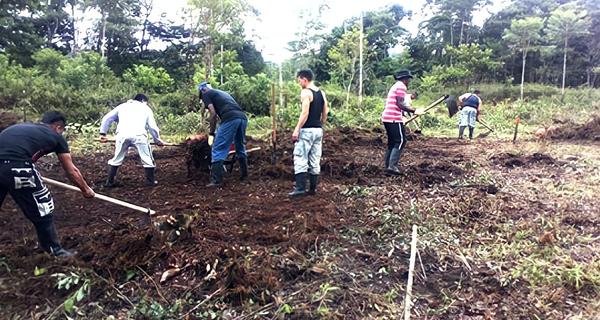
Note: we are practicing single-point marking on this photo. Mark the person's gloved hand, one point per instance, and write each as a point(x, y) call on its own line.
point(159, 142)
point(211, 139)
point(88, 193)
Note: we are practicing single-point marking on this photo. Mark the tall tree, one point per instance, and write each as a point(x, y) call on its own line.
point(344, 59)
point(213, 18)
point(593, 8)
point(566, 22)
point(18, 34)
point(115, 32)
point(54, 22)
point(524, 34)
point(309, 39)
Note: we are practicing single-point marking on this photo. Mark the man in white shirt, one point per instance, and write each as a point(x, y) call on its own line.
point(134, 119)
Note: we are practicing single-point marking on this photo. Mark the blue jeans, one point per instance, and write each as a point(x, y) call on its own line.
point(231, 131)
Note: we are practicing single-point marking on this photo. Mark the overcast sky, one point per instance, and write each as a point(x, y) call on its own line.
point(279, 19)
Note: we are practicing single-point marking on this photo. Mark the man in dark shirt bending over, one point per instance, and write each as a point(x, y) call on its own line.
point(232, 129)
point(21, 145)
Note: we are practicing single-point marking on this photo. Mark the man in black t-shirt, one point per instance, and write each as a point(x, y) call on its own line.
point(233, 125)
point(21, 145)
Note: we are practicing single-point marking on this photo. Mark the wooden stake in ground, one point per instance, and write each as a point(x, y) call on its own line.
point(517, 121)
point(273, 125)
point(411, 270)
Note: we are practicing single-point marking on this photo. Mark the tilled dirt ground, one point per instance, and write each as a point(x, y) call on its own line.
point(489, 213)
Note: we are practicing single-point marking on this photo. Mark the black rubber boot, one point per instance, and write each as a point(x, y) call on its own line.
point(48, 239)
point(461, 131)
point(387, 158)
point(314, 181)
point(150, 180)
point(62, 253)
point(216, 174)
point(300, 189)
point(471, 131)
point(243, 161)
point(392, 168)
point(112, 173)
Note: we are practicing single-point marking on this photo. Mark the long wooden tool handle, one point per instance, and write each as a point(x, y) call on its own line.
point(100, 196)
point(487, 126)
point(166, 144)
point(429, 107)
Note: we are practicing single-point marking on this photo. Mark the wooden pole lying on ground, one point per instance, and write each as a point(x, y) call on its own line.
point(273, 125)
point(429, 107)
point(100, 196)
point(411, 270)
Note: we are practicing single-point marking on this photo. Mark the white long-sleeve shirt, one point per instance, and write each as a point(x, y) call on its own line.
point(134, 119)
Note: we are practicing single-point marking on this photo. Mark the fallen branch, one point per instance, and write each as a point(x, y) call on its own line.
point(201, 303)
point(155, 285)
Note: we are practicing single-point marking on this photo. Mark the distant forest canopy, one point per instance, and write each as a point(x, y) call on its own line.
point(106, 43)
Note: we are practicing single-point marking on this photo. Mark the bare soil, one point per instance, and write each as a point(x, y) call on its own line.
point(587, 131)
point(247, 251)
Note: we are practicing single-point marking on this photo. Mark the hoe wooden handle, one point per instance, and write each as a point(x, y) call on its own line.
point(487, 126)
point(100, 196)
point(429, 107)
point(166, 144)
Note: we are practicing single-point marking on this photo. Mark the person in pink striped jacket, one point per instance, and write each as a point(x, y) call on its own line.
point(391, 117)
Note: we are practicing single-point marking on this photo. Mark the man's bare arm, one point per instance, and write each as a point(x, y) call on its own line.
point(213, 119)
point(325, 108)
point(74, 174)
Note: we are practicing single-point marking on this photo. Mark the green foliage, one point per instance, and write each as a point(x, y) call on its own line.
point(148, 79)
point(48, 61)
point(72, 279)
point(524, 32)
point(253, 94)
point(471, 64)
point(189, 123)
point(344, 59)
point(82, 87)
point(566, 21)
point(151, 309)
point(87, 70)
point(39, 271)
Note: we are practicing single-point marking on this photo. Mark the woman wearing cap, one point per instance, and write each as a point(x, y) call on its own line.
point(392, 120)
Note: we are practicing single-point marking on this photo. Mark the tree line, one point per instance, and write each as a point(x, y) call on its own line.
point(550, 42)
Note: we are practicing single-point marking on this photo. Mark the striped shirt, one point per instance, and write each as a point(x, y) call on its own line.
point(393, 113)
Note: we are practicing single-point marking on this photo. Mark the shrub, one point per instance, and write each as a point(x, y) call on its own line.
point(148, 79)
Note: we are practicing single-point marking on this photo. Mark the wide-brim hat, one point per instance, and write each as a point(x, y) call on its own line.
point(403, 74)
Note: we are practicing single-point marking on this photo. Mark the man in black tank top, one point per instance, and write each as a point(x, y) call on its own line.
point(308, 135)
